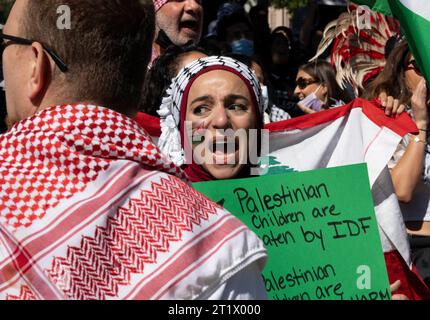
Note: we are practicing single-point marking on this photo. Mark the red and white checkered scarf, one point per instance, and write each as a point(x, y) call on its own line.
point(159, 3)
point(89, 211)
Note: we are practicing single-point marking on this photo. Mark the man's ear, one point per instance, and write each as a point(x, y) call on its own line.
point(40, 73)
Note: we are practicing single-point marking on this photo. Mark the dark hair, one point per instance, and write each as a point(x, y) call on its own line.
point(392, 79)
point(248, 61)
point(230, 20)
point(324, 73)
point(214, 47)
point(283, 32)
point(107, 49)
point(255, 13)
point(159, 77)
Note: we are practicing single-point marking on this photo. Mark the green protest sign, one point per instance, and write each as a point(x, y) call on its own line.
point(319, 228)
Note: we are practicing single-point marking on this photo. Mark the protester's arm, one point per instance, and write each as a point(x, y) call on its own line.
point(408, 171)
point(246, 284)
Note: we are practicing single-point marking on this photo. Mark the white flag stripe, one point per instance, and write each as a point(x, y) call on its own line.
point(419, 7)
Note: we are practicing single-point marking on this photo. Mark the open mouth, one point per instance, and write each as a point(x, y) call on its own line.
point(225, 151)
point(224, 147)
point(191, 25)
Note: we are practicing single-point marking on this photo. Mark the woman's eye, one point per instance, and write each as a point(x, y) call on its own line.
point(238, 107)
point(200, 110)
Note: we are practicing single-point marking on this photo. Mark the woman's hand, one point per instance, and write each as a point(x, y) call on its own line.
point(392, 106)
point(419, 105)
point(394, 287)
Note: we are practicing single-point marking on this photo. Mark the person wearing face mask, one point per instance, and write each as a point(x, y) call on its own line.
point(237, 31)
point(317, 89)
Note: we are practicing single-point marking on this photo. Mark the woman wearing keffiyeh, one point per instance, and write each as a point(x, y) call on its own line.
point(233, 105)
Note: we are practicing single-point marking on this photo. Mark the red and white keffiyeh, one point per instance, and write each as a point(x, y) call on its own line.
point(89, 211)
point(159, 3)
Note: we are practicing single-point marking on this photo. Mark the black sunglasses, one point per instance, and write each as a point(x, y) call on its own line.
point(414, 67)
point(26, 42)
point(302, 83)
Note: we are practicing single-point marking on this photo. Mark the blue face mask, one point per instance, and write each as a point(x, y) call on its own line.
point(243, 46)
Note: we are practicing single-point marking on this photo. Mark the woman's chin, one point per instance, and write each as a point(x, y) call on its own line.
point(223, 171)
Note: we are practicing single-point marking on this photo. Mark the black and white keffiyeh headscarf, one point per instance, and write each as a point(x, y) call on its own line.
point(177, 94)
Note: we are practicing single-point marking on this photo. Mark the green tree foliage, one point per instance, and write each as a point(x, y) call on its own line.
point(289, 4)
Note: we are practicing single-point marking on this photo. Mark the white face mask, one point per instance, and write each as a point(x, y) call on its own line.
point(312, 101)
point(265, 95)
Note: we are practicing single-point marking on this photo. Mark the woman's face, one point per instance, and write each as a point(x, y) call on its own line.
point(220, 109)
point(302, 91)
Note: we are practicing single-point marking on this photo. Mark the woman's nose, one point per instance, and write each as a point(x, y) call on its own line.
point(220, 118)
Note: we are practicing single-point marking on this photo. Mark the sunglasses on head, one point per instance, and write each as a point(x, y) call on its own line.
point(302, 83)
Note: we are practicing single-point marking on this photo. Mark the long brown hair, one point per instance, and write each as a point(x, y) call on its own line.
point(392, 79)
point(324, 73)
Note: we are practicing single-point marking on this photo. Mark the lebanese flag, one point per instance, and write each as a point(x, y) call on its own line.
point(414, 17)
point(358, 132)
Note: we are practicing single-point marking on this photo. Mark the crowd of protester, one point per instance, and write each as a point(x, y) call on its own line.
point(236, 74)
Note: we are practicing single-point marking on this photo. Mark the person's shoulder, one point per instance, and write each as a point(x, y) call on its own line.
point(211, 243)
